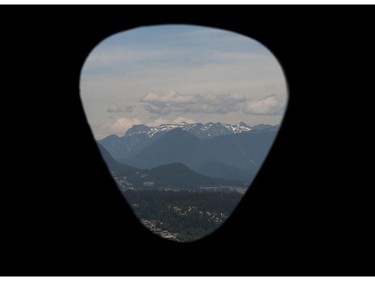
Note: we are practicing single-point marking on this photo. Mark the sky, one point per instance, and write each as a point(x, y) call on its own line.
point(180, 73)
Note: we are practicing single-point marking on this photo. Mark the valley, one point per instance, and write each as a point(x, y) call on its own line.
point(184, 180)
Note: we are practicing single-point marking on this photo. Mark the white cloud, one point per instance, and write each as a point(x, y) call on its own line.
point(183, 119)
point(157, 122)
point(118, 127)
point(171, 97)
point(120, 108)
point(163, 104)
point(270, 105)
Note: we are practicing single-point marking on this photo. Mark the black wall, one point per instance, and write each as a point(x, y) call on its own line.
point(309, 211)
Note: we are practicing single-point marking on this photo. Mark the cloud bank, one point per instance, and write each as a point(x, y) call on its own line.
point(120, 108)
point(163, 104)
point(173, 102)
point(120, 126)
point(270, 105)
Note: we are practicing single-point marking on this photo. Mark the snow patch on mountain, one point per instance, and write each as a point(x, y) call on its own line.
point(199, 130)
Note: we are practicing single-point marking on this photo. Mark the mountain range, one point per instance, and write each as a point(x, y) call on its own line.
point(139, 136)
point(174, 175)
point(233, 152)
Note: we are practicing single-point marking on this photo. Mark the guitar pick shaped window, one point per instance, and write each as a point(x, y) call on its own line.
point(184, 117)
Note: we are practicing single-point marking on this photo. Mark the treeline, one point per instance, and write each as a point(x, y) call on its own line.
point(190, 214)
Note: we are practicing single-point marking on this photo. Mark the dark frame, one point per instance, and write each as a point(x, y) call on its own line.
point(57, 217)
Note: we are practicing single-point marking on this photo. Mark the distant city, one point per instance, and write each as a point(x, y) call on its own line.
point(183, 180)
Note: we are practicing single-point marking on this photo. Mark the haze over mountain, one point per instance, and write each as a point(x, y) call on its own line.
point(140, 136)
point(212, 149)
point(174, 175)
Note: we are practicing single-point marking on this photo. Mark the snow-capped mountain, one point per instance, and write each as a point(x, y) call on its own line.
point(199, 130)
point(139, 137)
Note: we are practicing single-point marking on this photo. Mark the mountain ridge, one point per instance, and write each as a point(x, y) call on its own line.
point(200, 130)
point(232, 152)
point(173, 175)
point(139, 136)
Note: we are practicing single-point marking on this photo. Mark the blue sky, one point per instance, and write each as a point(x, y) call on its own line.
point(173, 73)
